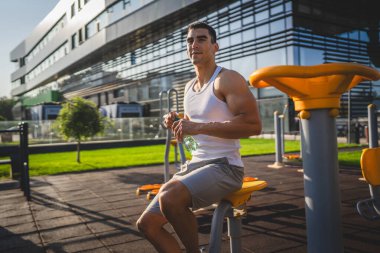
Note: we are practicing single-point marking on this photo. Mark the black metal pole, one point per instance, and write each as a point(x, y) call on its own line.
point(21, 157)
point(24, 159)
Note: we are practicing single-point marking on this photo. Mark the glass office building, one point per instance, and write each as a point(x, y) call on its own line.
point(129, 50)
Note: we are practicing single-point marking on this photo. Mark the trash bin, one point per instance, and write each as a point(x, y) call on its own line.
point(356, 129)
point(6, 137)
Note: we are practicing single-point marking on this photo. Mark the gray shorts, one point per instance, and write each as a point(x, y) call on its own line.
point(208, 182)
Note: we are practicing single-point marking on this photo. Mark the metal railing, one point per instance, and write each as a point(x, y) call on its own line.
point(19, 156)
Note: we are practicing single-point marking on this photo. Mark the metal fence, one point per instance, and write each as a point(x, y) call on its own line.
point(45, 132)
point(18, 154)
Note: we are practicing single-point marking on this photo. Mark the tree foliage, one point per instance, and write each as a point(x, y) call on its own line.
point(79, 119)
point(6, 105)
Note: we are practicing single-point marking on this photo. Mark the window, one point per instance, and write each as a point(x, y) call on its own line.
point(133, 58)
point(248, 20)
point(102, 21)
point(224, 42)
point(364, 36)
point(74, 41)
point(118, 93)
point(235, 39)
point(276, 10)
point(248, 35)
point(261, 16)
point(143, 92)
point(132, 94)
point(97, 23)
point(91, 29)
point(235, 25)
point(288, 6)
point(262, 31)
point(270, 92)
point(354, 34)
point(117, 11)
point(310, 56)
point(80, 36)
point(73, 10)
point(223, 29)
point(244, 65)
point(277, 26)
point(22, 61)
point(274, 57)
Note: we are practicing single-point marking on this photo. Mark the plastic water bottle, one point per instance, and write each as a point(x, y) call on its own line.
point(190, 144)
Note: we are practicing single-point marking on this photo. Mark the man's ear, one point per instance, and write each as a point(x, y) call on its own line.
point(216, 47)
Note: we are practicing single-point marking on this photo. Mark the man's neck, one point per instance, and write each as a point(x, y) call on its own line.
point(204, 73)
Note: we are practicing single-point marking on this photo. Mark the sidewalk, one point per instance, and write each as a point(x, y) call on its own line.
point(96, 212)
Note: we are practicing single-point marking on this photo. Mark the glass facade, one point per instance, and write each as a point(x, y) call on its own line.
point(251, 34)
point(48, 37)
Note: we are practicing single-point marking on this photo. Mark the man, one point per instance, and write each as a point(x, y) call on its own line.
point(219, 109)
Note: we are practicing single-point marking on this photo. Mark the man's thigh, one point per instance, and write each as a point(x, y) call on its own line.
point(210, 182)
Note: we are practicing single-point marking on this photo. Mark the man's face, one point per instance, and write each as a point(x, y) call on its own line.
point(200, 49)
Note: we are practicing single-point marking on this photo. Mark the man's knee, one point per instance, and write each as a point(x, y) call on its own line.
point(174, 196)
point(148, 223)
point(141, 224)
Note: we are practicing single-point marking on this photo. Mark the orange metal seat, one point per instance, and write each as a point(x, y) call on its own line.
point(241, 196)
point(370, 164)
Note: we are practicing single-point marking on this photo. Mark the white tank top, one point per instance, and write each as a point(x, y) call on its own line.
point(203, 106)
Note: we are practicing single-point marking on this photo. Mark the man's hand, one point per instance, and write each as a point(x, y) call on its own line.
point(183, 127)
point(169, 119)
point(180, 126)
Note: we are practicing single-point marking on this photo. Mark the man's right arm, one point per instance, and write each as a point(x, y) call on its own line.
point(171, 116)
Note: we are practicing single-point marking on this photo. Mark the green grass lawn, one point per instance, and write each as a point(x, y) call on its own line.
point(351, 158)
point(55, 163)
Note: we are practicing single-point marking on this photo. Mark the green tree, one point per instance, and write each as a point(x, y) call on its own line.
point(79, 119)
point(6, 105)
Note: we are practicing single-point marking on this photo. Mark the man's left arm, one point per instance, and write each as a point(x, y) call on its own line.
point(232, 88)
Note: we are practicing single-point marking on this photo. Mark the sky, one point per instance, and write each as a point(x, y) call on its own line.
point(17, 20)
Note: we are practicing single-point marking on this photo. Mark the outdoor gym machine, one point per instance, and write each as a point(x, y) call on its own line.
point(370, 165)
point(279, 133)
point(152, 189)
point(169, 140)
point(232, 207)
point(316, 92)
point(279, 140)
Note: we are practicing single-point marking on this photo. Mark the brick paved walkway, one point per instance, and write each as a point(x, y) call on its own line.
point(96, 212)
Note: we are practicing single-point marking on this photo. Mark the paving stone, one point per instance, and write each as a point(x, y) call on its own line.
point(85, 202)
point(116, 237)
point(91, 208)
point(69, 231)
point(77, 195)
point(75, 244)
point(28, 249)
point(22, 240)
point(59, 222)
point(20, 229)
point(98, 250)
point(100, 226)
point(51, 214)
point(8, 207)
point(133, 247)
point(15, 220)
point(11, 212)
point(102, 215)
point(97, 211)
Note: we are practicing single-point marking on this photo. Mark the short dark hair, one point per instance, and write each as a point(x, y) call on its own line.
point(201, 24)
